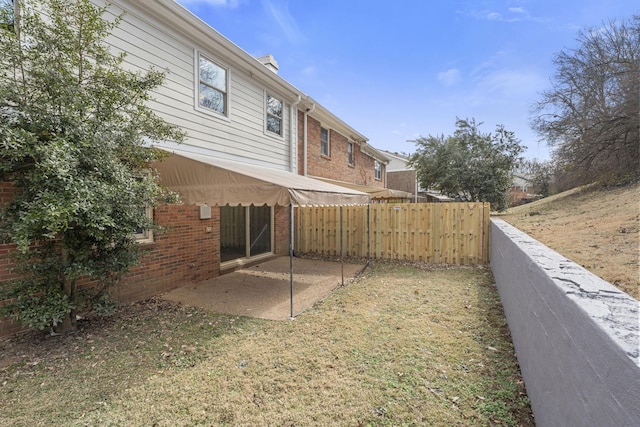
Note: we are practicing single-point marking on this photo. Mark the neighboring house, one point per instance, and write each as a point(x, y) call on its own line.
point(253, 143)
point(328, 155)
point(522, 190)
point(336, 153)
point(333, 150)
point(400, 176)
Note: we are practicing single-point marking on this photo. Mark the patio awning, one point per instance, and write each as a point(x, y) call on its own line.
point(201, 179)
point(374, 192)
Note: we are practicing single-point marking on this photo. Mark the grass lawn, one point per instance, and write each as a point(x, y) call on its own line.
point(400, 345)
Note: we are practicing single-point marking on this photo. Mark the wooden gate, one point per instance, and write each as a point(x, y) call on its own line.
point(440, 233)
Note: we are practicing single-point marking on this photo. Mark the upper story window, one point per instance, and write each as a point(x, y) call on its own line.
point(324, 142)
point(212, 89)
point(350, 155)
point(378, 169)
point(274, 115)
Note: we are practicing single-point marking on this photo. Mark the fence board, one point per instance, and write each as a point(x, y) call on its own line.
point(448, 233)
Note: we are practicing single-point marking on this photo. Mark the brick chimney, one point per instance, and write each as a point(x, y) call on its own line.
point(270, 62)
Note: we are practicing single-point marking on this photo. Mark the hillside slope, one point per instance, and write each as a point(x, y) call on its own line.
point(596, 228)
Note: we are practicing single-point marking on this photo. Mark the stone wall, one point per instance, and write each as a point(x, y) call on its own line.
point(576, 336)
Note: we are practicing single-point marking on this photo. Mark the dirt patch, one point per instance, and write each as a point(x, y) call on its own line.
point(598, 228)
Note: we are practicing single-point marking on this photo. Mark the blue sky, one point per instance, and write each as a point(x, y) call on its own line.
point(397, 70)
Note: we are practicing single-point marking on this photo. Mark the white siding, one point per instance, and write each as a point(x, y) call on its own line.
point(148, 43)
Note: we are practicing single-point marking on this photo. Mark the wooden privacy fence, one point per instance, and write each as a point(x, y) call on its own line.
point(440, 233)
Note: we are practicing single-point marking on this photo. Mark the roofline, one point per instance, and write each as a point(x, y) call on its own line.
point(375, 153)
point(183, 21)
point(395, 155)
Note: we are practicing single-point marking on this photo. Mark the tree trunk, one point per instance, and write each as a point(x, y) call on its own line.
point(68, 323)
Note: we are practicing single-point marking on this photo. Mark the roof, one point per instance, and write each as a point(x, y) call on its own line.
point(201, 179)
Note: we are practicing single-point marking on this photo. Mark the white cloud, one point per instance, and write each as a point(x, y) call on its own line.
point(517, 10)
point(511, 83)
point(449, 77)
point(279, 11)
point(512, 14)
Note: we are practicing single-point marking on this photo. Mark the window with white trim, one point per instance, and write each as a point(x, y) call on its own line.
point(213, 85)
point(274, 112)
point(325, 148)
point(350, 155)
point(145, 235)
point(378, 170)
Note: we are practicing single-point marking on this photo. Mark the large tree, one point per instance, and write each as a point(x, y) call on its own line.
point(542, 175)
point(469, 165)
point(591, 115)
point(75, 131)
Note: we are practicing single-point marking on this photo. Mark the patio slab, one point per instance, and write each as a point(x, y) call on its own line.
point(263, 290)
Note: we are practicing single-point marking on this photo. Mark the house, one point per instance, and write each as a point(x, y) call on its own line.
point(254, 143)
point(341, 156)
point(402, 177)
point(522, 190)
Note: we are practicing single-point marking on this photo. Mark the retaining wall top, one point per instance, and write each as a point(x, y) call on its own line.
point(614, 311)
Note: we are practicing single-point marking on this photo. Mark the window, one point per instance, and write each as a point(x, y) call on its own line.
point(274, 115)
point(378, 169)
point(324, 142)
point(145, 235)
point(350, 153)
point(212, 89)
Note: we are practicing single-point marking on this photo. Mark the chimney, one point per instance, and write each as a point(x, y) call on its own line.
point(270, 62)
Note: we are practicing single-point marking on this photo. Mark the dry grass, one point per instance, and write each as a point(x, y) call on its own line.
point(401, 345)
point(598, 228)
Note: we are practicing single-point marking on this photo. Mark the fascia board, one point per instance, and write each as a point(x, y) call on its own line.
point(376, 154)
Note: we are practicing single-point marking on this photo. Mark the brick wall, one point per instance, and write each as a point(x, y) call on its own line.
point(187, 252)
point(336, 165)
point(282, 230)
point(402, 180)
point(7, 327)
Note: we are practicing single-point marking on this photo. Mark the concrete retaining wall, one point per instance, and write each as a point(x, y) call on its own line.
point(576, 336)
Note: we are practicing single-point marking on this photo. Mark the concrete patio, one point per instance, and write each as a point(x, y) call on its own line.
point(263, 290)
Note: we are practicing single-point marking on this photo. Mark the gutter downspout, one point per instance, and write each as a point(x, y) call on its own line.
point(304, 150)
point(293, 136)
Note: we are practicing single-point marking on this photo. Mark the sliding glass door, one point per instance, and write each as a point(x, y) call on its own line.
point(245, 232)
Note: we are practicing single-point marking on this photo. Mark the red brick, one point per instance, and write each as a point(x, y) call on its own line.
point(336, 165)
